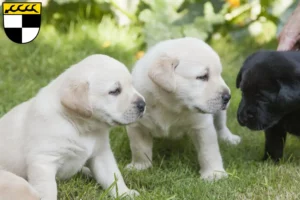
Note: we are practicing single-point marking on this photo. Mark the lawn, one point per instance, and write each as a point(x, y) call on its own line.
point(26, 68)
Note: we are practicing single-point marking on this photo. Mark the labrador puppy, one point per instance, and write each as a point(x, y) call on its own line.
point(270, 85)
point(66, 126)
point(13, 187)
point(185, 94)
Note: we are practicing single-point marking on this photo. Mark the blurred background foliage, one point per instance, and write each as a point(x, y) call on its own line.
point(148, 21)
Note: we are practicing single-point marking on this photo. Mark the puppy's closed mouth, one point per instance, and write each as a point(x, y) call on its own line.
point(141, 115)
point(199, 109)
point(116, 123)
point(224, 107)
point(257, 127)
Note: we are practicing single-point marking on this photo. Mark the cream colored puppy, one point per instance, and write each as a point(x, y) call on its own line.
point(185, 94)
point(13, 187)
point(66, 126)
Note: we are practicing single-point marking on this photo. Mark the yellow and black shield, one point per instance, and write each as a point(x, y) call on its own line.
point(22, 21)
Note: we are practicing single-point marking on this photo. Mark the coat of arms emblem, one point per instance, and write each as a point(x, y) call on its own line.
point(22, 21)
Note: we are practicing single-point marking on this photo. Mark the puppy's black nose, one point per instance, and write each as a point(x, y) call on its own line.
point(225, 98)
point(140, 104)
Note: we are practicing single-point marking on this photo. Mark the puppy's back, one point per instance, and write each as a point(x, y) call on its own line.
point(12, 137)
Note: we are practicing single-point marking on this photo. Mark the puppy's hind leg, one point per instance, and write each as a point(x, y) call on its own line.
point(87, 172)
point(223, 132)
point(141, 143)
point(42, 178)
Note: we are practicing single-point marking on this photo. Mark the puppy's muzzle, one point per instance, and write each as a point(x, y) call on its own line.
point(245, 117)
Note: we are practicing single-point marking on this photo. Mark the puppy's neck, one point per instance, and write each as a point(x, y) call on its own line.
point(86, 126)
point(168, 101)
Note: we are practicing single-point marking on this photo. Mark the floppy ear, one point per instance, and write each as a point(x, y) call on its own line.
point(162, 72)
point(75, 97)
point(289, 95)
point(239, 79)
point(248, 63)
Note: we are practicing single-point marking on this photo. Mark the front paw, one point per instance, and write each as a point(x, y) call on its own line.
point(213, 175)
point(130, 194)
point(138, 166)
point(275, 159)
point(230, 138)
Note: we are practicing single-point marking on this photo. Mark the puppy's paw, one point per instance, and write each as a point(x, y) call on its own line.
point(230, 138)
point(130, 194)
point(213, 175)
point(138, 166)
point(87, 172)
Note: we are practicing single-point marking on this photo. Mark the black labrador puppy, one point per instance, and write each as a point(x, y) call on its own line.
point(270, 85)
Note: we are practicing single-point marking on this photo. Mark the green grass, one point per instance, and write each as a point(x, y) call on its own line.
point(26, 68)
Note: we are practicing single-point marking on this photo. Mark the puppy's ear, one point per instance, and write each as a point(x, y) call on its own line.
point(162, 72)
point(239, 79)
point(248, 63)
point(75, 97)
point(289, 95)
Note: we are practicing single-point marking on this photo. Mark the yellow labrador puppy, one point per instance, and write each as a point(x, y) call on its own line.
point(185, 94)
point(66, 126)
point(13, 187)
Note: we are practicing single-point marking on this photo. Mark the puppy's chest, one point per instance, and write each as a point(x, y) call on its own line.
point(166, 124)
point(74, 155)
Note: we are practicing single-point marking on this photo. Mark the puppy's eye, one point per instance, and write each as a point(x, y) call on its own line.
point(203, 78)
point(115, 92)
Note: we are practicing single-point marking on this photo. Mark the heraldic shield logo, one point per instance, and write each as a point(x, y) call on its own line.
point(22, 21)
